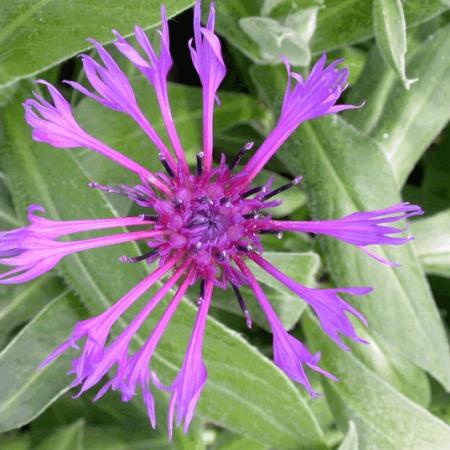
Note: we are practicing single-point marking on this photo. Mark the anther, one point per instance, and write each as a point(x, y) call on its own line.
point(248, 146)
point(135, 259)
point(255, 190)
point(177, 202)
point(283, 188)
point(246, 312)
point(200, 156)
point(222, 255)
point(198, 245)
point(166, 166)
point(252, 215)
point(246, 248)
point(206, 199)
point(147, 218)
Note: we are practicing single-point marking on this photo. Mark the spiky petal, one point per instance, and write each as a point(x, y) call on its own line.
point(190, 381)
point(208, 62)
point(326, 303)
point(308, 99)
point(155, 68)
point(289, 354)
point(361, 229)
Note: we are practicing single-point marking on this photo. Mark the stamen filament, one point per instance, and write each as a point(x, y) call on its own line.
point(135, 259)
point(252, 191)
point(248, 146)
point(199, 158)
point(283, 188)
point(245, 311)
point(166, 166)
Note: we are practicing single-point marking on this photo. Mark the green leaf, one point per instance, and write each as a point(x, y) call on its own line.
point(433, 243)
point(240, 444)
point(65, 438)
point(25, 390)
point(390, 34)
point(300, 266)
point(14, 442)
point(385, 419)
point(344, 22)
point(338, 164)
point(40, 34)
point(404, 122)
point(114, 438)
point(339, 22)
point(289, 39)
point(350, 441)
point(245, 392)
point(8, 217)
point(19, 304)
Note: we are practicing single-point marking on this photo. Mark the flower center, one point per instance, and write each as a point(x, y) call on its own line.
point(208, 221)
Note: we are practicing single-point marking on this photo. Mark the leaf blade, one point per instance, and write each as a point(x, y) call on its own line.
point(43, 33)
point(390, 35)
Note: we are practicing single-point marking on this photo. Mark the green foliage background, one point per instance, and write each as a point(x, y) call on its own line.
point(392, 393)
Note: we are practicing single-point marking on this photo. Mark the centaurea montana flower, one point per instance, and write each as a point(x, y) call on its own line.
point(202, 225)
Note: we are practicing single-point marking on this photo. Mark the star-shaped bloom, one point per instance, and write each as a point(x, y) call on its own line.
point(201, 225)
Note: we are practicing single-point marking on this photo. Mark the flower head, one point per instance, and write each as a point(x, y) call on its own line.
point(200, 224)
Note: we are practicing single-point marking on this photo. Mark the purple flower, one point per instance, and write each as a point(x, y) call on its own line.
point(202, 225)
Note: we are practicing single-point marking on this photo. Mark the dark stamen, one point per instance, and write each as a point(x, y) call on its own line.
point(166, 166)
point(200, 157)
point(245, 248)
point(135, 259)
point(255, 190)
point(201, 297)
point(246, 312)
point(147, 218)
point(177, 202)
point(205, 199)
point(222, 255)
point(240, 154)
point(283, 188)
point(252, 215)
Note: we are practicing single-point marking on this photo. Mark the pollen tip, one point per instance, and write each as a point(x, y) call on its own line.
point(249, 145)
point(248, 319)
point(297, 180)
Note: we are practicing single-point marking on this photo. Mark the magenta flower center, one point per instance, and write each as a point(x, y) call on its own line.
point(211, 220)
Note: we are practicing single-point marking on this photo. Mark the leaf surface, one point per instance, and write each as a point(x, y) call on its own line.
point(35, 35)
